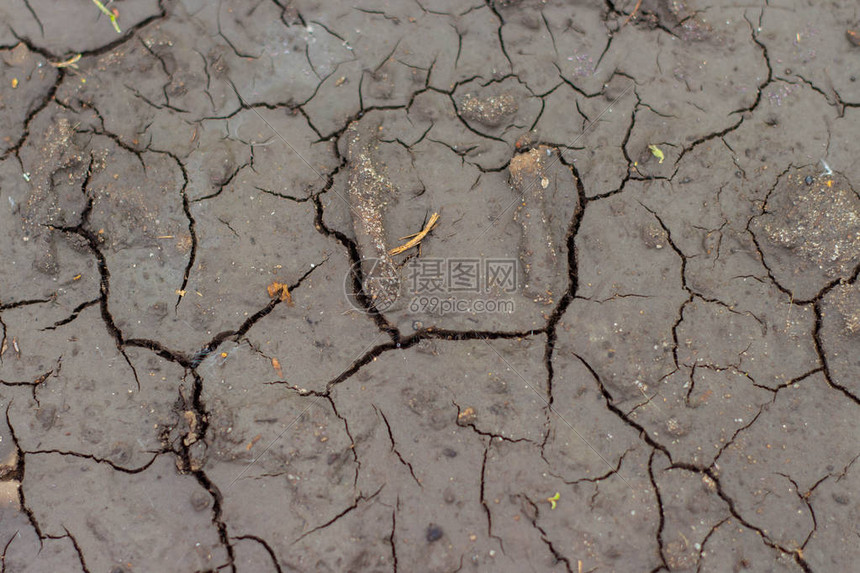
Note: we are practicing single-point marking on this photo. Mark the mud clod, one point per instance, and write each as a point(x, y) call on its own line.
point(370, 195)
point(545, 201)
point(490, 111)
point(821, 224)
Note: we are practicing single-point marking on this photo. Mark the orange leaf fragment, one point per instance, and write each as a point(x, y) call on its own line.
point(276, 364)
point(277, 289)
point(253, 441)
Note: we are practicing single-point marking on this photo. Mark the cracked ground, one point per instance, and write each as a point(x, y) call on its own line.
point(210, 359)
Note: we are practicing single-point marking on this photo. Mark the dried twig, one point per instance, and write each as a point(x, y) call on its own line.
point(71, 62)
point(633, 13)
point(417, 237)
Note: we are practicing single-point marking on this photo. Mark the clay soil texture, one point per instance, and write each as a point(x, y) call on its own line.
point(429, 285)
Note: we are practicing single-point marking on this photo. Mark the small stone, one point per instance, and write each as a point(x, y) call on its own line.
point(434, 533)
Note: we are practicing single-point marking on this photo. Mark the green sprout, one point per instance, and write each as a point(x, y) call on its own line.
point(109, 14)
point(656, 152)
point(553, 499)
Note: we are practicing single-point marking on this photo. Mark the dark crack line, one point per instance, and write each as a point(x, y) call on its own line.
point(6, 550)
point(39, 380)
point(188, 465)
point(191, 362)
point(822, 354)
point(356, 272)
point(223, 184)
point(167, 73)
point(208, 80)
point(704, 139)
point(839, 477)
point(266, 547)
point(661, 550)
point(392, 537)
point(798, 557)
point(77, 547)
point(358, 501)
point(18, 474)
point(4, 338)
point(738, 432)
point(804, 499)
point(75, 312)
point(557, 555)
point(93, 244)
point(192, 224)
point(573, 283)
point(97, 459)
point(708, 472)
point(103, 131)
point(784, 385)
point(35, 17)
point(705, 540)
point(609, 401)
point(692, 294)
point(352, 448)
point(501, 20)
point(760, 88)
point(227, 40)
point(549, 409)
point(485, 433)
point(426, 334)
point(594, 480)
point(394, 446)
point(482, 497)
point(28, 302)
point(35, 110)
point(149, 102)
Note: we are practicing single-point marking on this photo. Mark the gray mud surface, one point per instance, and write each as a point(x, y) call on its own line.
point(630, 342)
